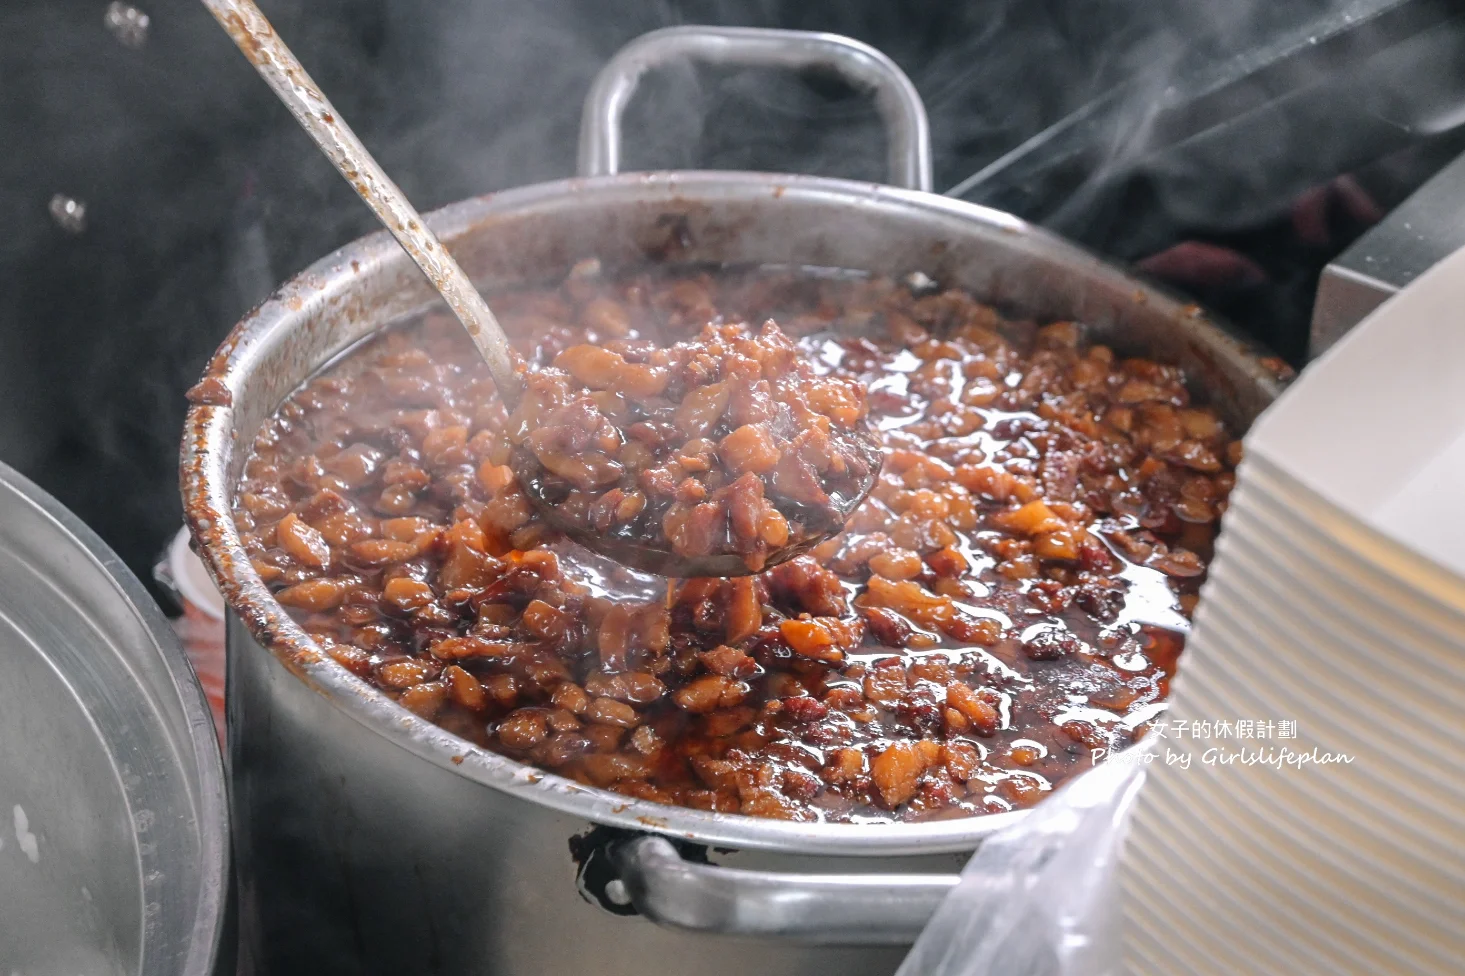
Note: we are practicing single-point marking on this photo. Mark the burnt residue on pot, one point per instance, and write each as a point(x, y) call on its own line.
point(596, 876)
point(595, 869)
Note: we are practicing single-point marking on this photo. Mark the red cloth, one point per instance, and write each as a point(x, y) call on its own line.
point(203, 640)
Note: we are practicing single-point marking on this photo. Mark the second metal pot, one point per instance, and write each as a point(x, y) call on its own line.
point(114, 856)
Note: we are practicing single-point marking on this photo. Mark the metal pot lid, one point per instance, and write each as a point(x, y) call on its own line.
point(113, 826)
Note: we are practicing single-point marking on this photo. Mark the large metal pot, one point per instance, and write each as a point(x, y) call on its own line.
point(370, 841)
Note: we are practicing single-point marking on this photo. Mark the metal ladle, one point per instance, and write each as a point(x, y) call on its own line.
point(283, 72)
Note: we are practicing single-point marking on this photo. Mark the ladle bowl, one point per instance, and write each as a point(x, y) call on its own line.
point(630, 548)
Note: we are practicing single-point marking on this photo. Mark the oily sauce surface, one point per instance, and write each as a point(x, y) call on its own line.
point(731, 444)
point(1010, 599)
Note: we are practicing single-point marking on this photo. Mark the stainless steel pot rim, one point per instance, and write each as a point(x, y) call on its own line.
point(327, 283)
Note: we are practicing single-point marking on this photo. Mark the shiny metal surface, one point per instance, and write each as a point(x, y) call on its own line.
point(820, 909)
point(1415, 236)
point(113, 825)
point(861, 65)
point(369, 840)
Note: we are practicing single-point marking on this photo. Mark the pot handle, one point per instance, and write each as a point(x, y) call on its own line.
point(819, 909)
point(861, 65)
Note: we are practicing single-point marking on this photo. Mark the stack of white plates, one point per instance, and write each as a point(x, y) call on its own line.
point(1306, 809)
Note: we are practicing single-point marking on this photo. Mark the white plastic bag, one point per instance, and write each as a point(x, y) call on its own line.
point(1039, 899)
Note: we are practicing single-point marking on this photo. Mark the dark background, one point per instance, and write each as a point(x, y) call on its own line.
point(201, 195)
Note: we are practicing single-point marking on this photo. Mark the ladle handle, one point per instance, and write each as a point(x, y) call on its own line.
point(864, 67)
point(255, 36)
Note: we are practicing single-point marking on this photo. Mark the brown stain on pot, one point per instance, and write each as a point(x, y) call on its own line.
point(210, 391)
